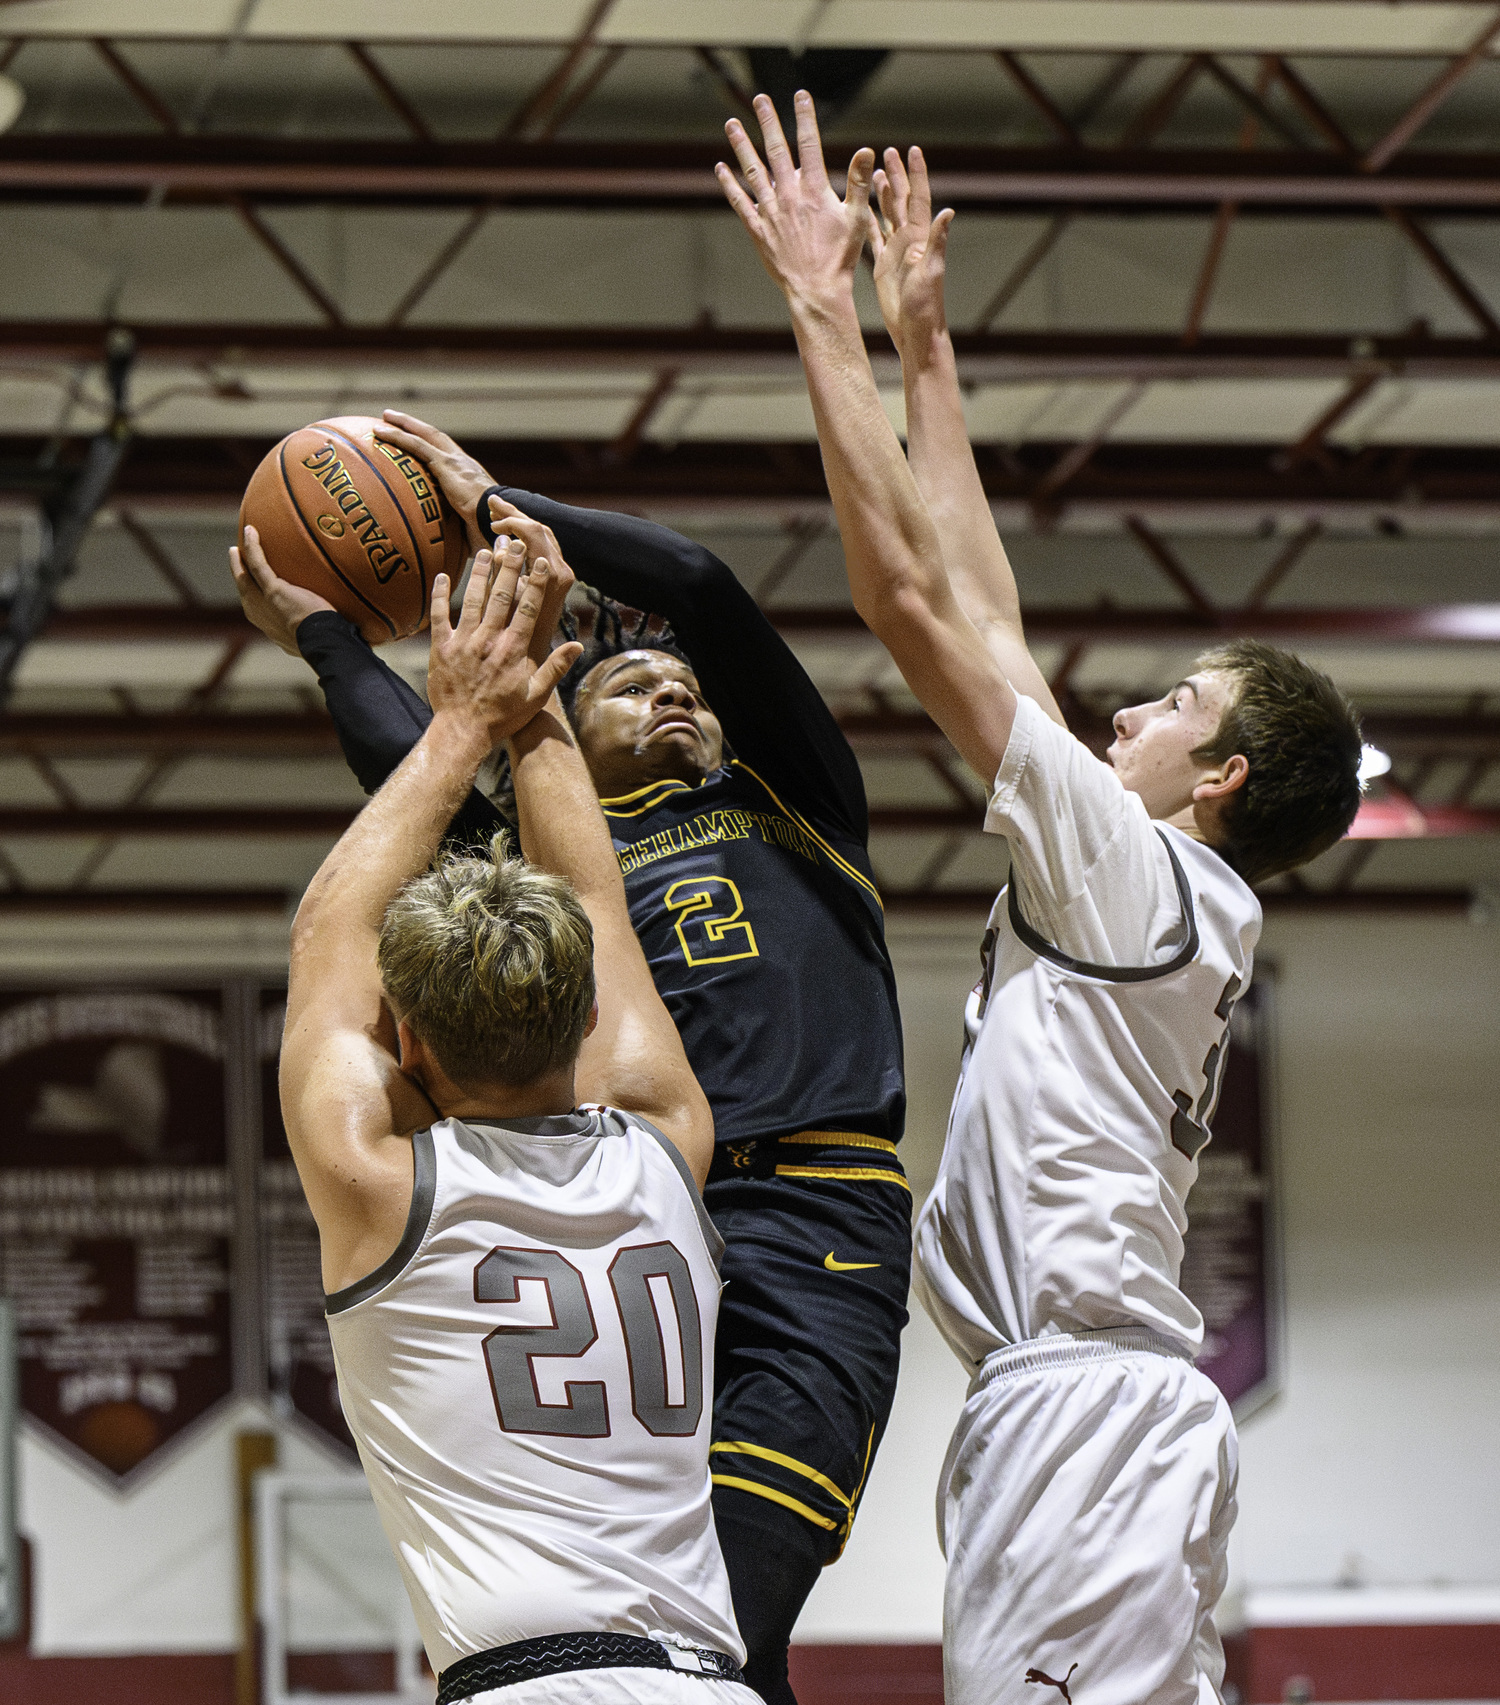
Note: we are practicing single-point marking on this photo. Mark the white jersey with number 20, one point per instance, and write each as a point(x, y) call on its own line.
point(529, 1380)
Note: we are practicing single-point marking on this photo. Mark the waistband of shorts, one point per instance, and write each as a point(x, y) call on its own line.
point(562, 1654)
point(849, 1157)
point(1073, 1349)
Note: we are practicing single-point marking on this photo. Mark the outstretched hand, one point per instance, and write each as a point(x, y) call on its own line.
point(463, 480)
point(481, 674)
point(910, 249)
point(539, 540)
point(809, 240)
point(276, 606)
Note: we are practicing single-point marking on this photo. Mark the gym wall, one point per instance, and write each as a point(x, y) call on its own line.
point(1371, 1474)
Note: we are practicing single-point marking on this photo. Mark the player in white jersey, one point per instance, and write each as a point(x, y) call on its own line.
point(1089, 1487)
point(522, 1289)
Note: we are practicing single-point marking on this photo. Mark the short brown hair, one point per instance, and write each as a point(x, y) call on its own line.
point(1301, 739)
point(492, 964)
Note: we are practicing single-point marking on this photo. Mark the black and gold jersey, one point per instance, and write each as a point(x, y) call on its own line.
point(764, 938)
point(751, 892)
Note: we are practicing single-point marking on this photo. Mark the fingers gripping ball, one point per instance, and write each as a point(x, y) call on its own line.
point(357, 521)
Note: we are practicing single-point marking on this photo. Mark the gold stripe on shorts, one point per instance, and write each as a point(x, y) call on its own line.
point(842, 1139)
point(776, 1498)
point(742, 1447)
point(847, 1172)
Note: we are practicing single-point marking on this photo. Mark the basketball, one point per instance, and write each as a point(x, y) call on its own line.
point(357, 521)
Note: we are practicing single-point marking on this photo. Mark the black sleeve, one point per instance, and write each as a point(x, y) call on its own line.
point(378, 717)
point(773, 717)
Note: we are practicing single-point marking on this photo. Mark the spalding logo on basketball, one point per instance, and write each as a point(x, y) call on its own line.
point(357, 521)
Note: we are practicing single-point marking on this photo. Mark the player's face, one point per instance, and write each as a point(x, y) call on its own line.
point(1154, 743)
point(641, 718)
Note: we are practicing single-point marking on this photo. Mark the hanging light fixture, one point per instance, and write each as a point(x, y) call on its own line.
point(1372, 762)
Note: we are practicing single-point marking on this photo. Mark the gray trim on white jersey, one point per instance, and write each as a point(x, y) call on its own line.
point(1044, 949)
point(685, 1172)
point(418, 1217)
point(424, 1186)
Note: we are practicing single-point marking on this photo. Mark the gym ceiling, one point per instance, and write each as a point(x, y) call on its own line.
point(1225, 286)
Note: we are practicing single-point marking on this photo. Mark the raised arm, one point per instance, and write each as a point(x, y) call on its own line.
point(910, 249)
point(347, 1106)
point(810, 243)
point(773, 716)
point(376, 715)
point(634, 1058)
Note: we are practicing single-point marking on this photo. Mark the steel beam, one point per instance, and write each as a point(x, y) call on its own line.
point(1158, 480)
point(150, 902)
point(1451, 902)
point(1442, 624)
point(310, 734)
point(984, 356)
point(1431, 98)
point(197, 168)
point(276, 903)
point(1452, 624)
point(302, 734)
point(1407, 736)
point(1402, 734)
point(1385, 819)
point(208, 823)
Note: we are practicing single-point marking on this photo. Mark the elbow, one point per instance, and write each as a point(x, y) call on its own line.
point(306, 919)
point(302, 932)
point(692, 568)
point(894, 608)
point(699, 572)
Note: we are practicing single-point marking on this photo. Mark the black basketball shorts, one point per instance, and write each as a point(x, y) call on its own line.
point(817, 1264)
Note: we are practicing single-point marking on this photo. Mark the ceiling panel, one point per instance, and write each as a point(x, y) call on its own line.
point(1097, 460)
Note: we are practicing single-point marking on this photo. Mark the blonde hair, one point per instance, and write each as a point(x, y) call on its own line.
point(492, 964)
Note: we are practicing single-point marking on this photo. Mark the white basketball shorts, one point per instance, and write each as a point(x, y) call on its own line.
point(1084, 1510)
point(619, 1687)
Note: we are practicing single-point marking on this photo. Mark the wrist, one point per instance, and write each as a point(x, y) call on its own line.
point(549, 724)
point(924, 347)
point(310, 624)
point(458, 739)
point(823, 302)
point(481, 527)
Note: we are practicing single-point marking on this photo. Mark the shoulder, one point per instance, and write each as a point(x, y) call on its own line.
point(661, 1155)
point(1043, 760)
point(1231, 902)
point(748, 787)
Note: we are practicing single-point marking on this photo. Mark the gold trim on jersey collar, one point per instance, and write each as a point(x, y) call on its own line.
point(796, 816)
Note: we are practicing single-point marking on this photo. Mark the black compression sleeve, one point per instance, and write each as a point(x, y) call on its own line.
point(773, 716)
point(377, 716)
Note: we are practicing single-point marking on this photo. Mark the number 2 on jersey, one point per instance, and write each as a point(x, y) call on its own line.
point(652, 1289)
point(709, 920)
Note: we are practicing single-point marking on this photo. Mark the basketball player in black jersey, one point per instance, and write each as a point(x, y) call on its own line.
point(738, 813)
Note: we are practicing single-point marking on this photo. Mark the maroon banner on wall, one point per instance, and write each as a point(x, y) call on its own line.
point(299, 1375)
point(116, 1215)
point(1230, 1263)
